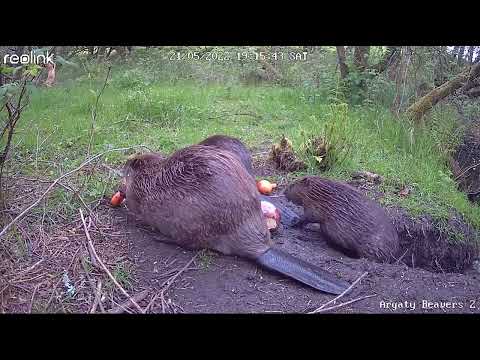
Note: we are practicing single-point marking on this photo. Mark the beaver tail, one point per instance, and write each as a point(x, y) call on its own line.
point(300, 270)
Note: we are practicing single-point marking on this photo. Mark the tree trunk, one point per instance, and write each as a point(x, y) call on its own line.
point(121, 51)
point(400, 79)
point(440, 66)
point(360, 57)
point(460, 55)
point(477, 56)
point(418, 109)
point(388, 59)
point(455, 51)
point(19, 50)
point(342, 62)
point(101, 52)
point(472, 79)
point(50, 76)
point(470, 54)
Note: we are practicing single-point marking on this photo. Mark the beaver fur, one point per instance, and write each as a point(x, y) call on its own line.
point(348, 219)
point(233, 145)
point(198, 198)
point(123, 184)
point(239, 149)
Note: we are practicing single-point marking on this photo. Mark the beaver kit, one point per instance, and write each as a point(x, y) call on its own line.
point(349, 220)
point(203, 197)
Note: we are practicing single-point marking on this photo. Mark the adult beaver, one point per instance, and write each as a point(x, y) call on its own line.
point(233, 145)
point(202, 197)
point(348, 219)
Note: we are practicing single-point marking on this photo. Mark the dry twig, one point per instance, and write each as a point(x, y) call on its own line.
point(92, 285)
point(344, 304)
point(466, 170)
point(94, 112)
point(120, 287)
point(169, 283)
point(339, 296)
point(98, 298)
point(31, 301)
point(125, 305)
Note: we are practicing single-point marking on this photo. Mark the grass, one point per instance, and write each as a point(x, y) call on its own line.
point(166, 116)
point(123, 273)
point(17, 244)
point(206, 257)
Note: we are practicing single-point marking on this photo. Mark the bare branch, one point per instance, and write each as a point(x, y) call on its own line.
point(345, 303)
point(92, 248)
point(54, 183)
point(339, 296)
point(125, 305)
point(94, 112)
point(341, 60)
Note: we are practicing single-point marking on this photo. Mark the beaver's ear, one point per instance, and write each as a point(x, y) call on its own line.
point(133, 156)
point(305, 180)
point(133, 163)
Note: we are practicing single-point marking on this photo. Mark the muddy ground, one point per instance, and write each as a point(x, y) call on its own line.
point(213, 283)
point(216, 283)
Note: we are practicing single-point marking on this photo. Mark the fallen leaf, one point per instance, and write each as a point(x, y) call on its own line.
point(404, 192)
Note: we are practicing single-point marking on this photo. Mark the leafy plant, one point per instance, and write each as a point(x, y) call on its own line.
point(329, 147)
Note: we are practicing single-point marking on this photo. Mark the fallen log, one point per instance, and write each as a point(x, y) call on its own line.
point(418, 109)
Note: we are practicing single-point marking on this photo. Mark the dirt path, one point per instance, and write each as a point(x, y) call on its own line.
point(217, 283)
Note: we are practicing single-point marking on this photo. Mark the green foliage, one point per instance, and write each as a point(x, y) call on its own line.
point(8, 90)
point(328, 146)
point(131, 79)
point(60, 60)
point(167, 105)
point(471, 110)
point(32, 70)
point(445, 132)
point(123, 273)
point(6, 69)
point(356, 86)
point(380, 91)
point(39, 51)
point(206, 257)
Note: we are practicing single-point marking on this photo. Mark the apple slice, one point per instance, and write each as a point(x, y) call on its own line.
point(117, 199)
